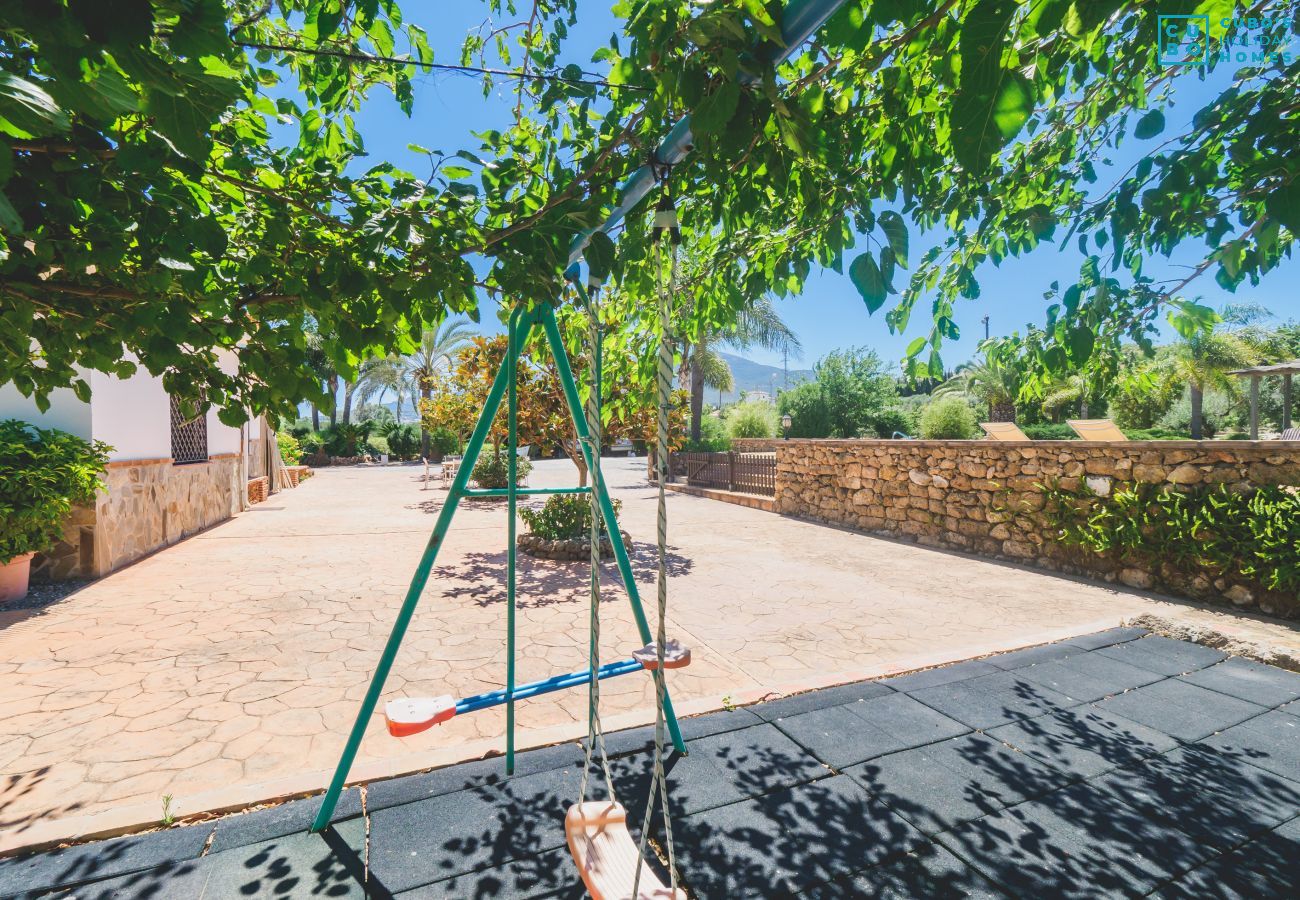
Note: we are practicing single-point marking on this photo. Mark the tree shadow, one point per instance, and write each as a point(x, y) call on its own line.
point(540, 583)
point(14, 788)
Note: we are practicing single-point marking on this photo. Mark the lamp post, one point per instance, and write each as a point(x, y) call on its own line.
point(786, 422)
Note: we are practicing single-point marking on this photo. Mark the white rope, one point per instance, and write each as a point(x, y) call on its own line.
point(664, 380)
point(595, 735)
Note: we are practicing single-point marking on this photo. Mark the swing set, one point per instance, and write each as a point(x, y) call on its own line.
point(611, 863)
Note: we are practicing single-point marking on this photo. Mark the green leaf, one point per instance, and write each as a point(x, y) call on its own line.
point(982, 124)
point(9, 219)
point(915, 347)
point(714, 112)
point(1283, 204)
point(600, 255)
point(866, 277)
point(895, 229)
point(1080, 343)
point(1150, 125)
point(948, 328)
point(27, 111)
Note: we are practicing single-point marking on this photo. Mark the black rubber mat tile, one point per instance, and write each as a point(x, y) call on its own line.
point(1089, 676)
point(1084, 741)
point(102, 859)
point(1181, 710)
point(930, 872)
point(329, 864)
point(1270, 742)
point(1163, 655)
point(939, 786)
point(802, 703)
point(1211, 797)
point(1267, 868)
point(843, 735)
point(288, 818)
point(789, 840)
point(1077, 842)
point(1249, 680)
point(992, 700)
point(942, 675)
point(1108, 638)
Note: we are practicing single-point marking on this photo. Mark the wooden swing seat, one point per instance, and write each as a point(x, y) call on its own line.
point(607, 856)
point(676, 655)
point(411, 715)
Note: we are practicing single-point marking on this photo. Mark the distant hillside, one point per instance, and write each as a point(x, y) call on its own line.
point(751, 376)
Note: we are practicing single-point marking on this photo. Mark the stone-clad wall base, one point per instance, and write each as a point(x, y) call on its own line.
point(155, 504)
point(146, 504)
point(983, 497)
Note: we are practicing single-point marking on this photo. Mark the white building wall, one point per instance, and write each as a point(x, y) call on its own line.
point(131, 415)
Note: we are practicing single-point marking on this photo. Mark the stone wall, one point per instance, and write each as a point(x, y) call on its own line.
point(146, 504)
point(961, 494)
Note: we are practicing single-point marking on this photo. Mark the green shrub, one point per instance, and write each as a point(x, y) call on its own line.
point(442, 440)
point(346, 438)
point(403, 440)
point(713, 437)
point(300, 429)
point(887, 422)
point(1212, 531)
point(290, 448)
point(44, 473)
point(1156, 434)
point(1049, 431)
point(810, 414)
point(564, 517)
point(377, 444)
point(1218, 413)
point(752, 420)
point(311, 443)
point(948, 418)
point(492, 470)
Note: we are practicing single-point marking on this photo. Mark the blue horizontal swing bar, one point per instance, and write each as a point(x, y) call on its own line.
point(546, 686)
point(522, 492)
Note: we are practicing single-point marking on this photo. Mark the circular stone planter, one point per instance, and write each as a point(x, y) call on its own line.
point(566, 550)
point(14, 577)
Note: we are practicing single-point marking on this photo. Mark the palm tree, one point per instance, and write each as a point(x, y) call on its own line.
point(755, 325)
point(437, 347)
point(379, 375)
point(1203, 360)
point(325, 373)
point(990, 381)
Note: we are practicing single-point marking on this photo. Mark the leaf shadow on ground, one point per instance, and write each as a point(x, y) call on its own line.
point(481, 577)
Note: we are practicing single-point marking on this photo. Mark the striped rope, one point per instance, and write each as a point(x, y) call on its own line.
point(664, 383)
point(595, 735)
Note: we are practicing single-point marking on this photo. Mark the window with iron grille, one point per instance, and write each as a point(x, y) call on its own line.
point(189, 436)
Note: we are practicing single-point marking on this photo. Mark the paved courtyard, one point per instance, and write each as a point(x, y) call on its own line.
point(1110, 764)
point(227, 669)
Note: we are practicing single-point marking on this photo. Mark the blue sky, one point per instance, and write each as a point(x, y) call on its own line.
point(829, 314)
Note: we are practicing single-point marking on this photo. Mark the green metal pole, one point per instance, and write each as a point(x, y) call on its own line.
point(556, 342)
point(512, 404)
point(418, 582)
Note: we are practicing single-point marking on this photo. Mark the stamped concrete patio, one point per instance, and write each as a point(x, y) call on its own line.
point(226, 670)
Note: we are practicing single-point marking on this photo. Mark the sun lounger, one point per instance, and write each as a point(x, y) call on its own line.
point(1096, 430)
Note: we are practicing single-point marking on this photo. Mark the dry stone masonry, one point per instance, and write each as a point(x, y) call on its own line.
point(984, 497)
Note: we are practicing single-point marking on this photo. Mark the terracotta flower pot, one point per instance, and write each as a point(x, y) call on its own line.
point(13, 577)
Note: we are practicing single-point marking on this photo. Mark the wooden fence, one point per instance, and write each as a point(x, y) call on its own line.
point(748, 473)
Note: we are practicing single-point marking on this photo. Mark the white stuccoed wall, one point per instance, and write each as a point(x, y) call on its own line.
point(131, 415)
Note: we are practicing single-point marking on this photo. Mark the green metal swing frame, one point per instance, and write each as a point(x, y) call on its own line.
point(520, 327)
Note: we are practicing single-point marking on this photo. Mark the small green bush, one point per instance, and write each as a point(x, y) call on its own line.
point(346, 438)
point(1049, 431)
point(564, 517)
point(713, 437)
point(492, 470)
point(948, 418)
point(442, 440)
point(44, 473)
point(888, 422)
point(752, 420)
point(1156, 434)
point(290, 448)
point(403, 440)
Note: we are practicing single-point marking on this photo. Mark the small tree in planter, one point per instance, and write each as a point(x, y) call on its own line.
point(44, 473)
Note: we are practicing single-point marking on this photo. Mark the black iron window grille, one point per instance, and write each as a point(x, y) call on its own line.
point(189, 436)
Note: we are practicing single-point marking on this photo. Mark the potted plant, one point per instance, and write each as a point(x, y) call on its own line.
point(44, 473)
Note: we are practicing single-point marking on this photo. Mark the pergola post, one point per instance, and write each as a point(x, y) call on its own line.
point(1286, 401)
point(1254, 407)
